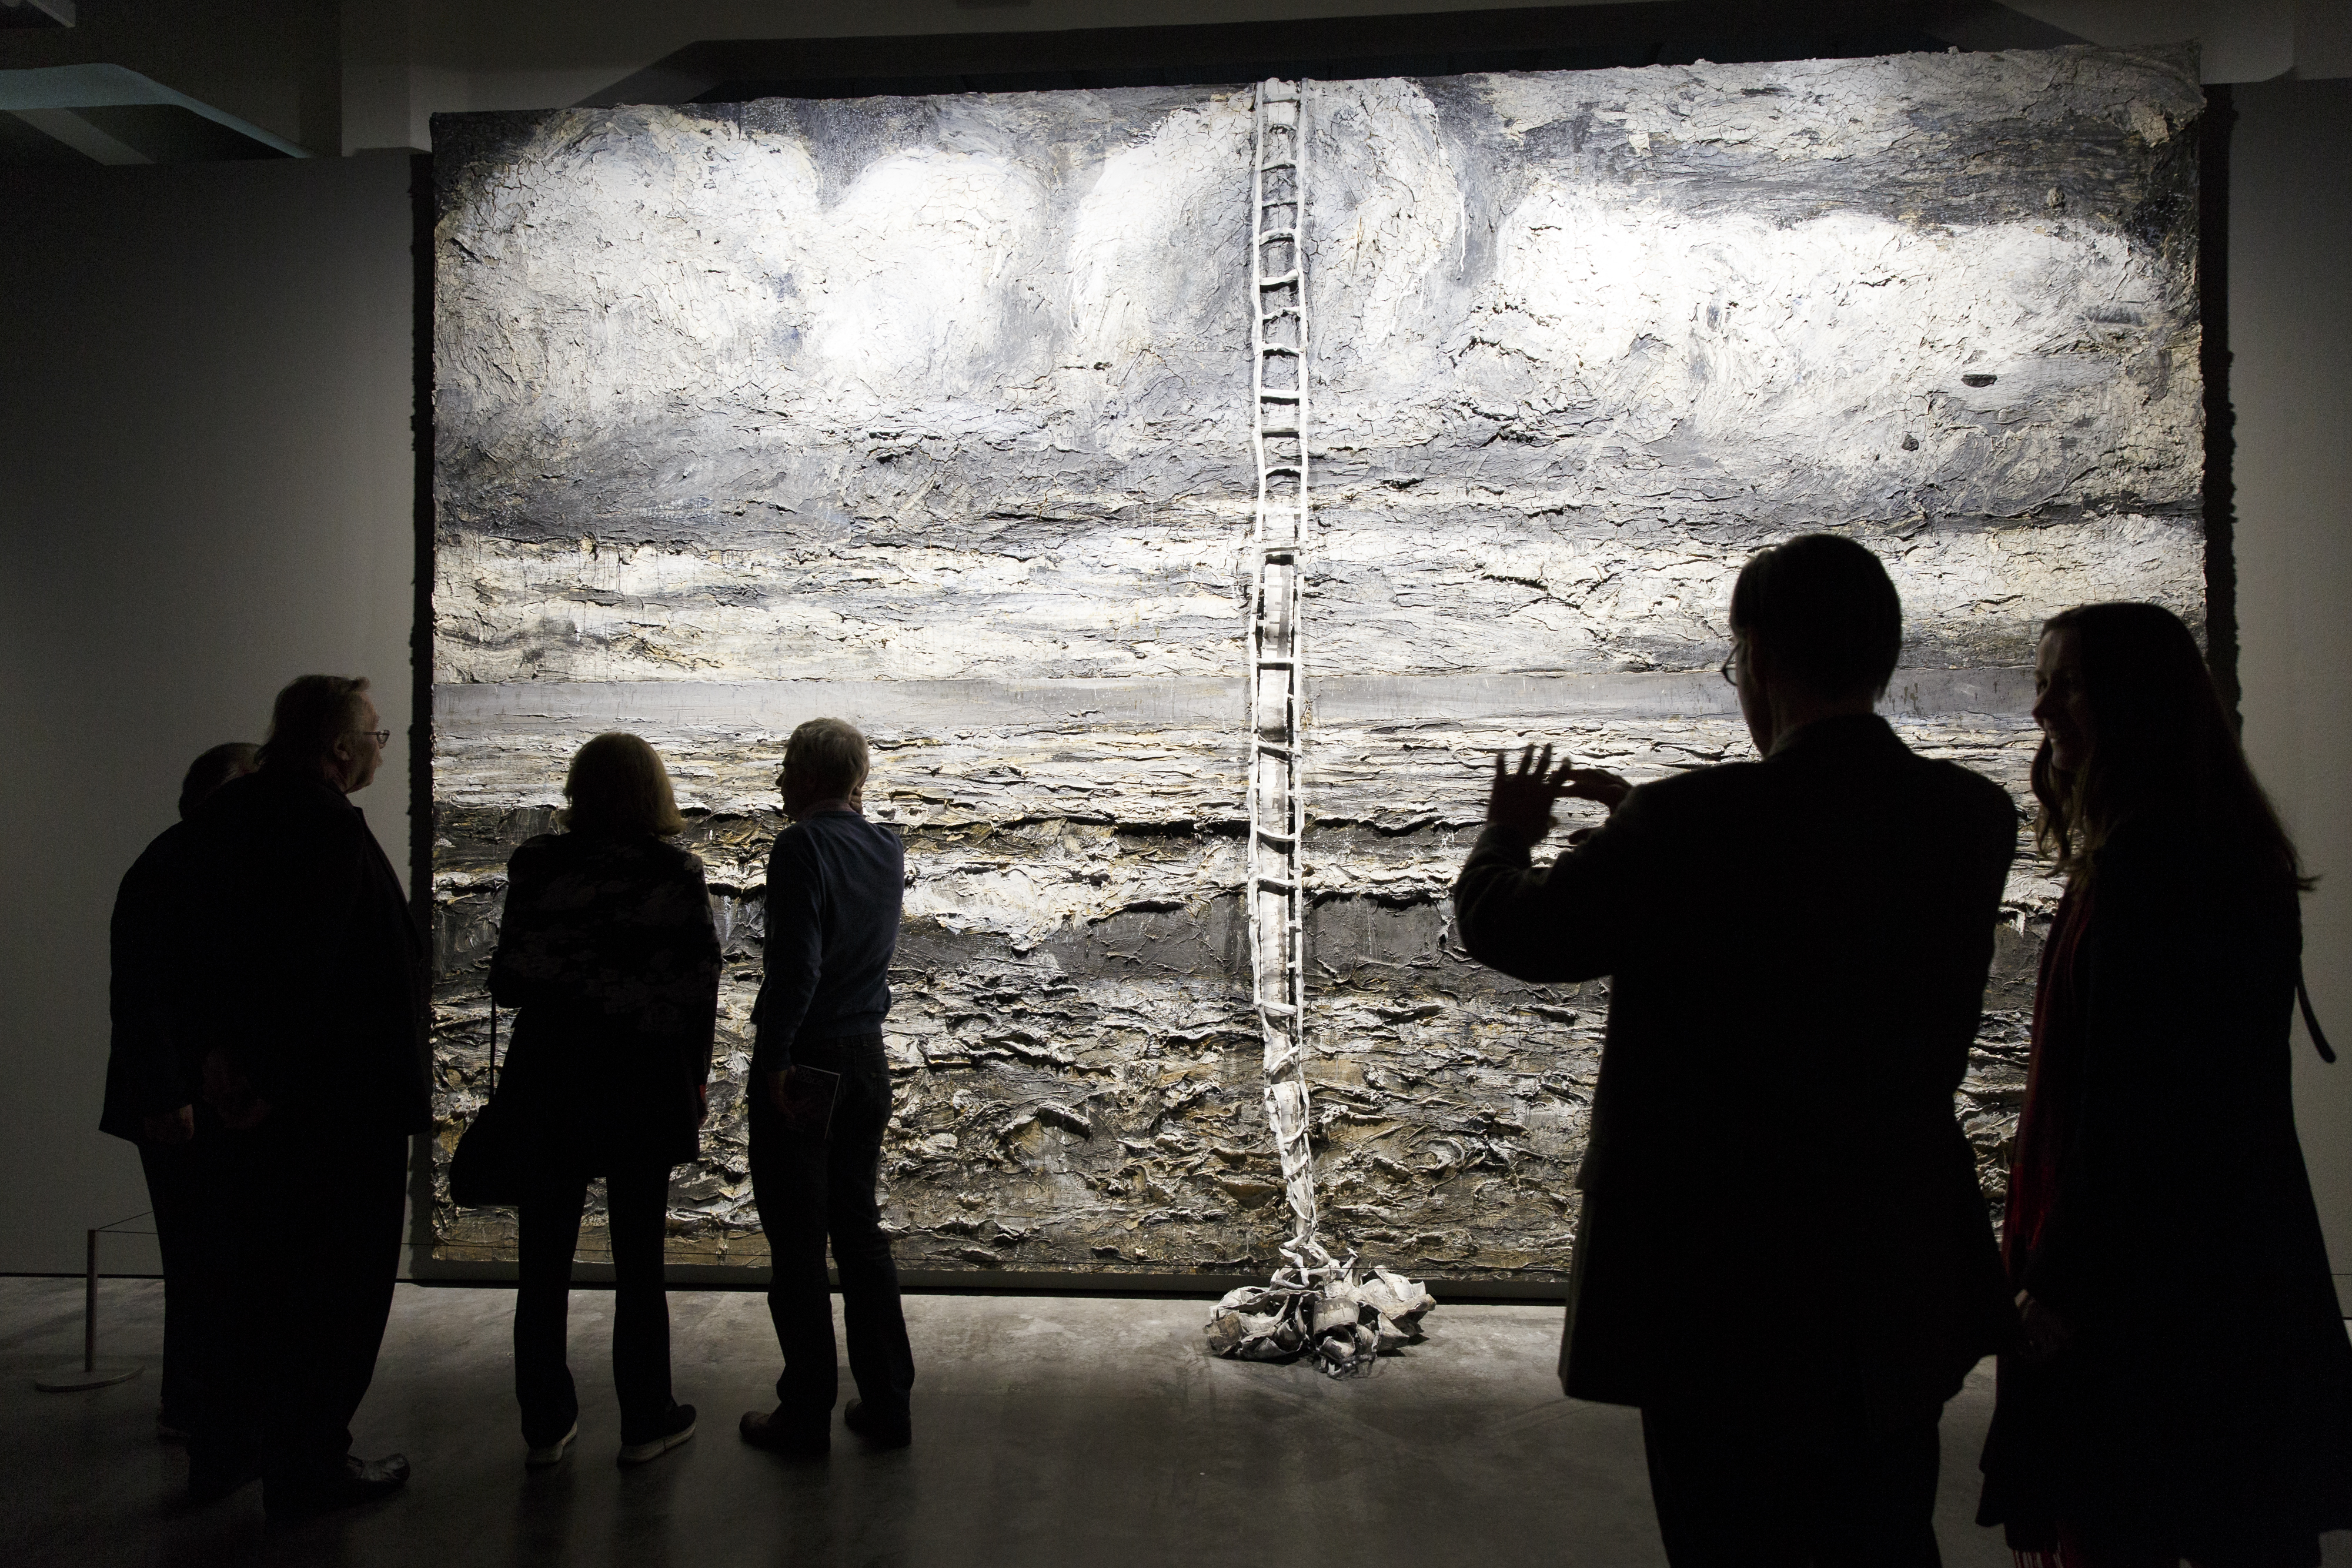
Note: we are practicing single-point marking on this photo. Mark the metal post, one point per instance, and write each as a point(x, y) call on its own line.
point(88, 1373)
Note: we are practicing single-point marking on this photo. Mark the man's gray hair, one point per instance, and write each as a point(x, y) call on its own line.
point(828, 758)
point(309, 717)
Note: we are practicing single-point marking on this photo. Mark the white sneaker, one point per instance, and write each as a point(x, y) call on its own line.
point(547, 1454)
point(681, 1427)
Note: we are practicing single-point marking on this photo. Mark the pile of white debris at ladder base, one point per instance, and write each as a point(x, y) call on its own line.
point(1323, 1311)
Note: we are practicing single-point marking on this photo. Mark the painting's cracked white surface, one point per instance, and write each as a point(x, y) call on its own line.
point(935, 413)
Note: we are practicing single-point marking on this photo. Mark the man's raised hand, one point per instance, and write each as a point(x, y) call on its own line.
point(1519, 804)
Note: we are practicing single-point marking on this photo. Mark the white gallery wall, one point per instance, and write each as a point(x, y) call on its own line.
point(205, 488)
point(2291, 335)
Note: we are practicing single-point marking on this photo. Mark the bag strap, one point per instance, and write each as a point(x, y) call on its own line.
point(2311, 1019)
point(494, 1043)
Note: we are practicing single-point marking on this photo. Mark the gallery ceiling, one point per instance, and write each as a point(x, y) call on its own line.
point(1430, 43)
point(263, 78)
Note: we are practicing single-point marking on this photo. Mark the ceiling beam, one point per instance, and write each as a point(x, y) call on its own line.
point(80, 134)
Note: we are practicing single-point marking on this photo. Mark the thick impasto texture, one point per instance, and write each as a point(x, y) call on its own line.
point(934, 414)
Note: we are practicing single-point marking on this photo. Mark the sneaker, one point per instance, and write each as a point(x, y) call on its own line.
point(779, 1434)
point(878, 1432)
point(676, 1429)
point(545, 1453)
point(354, 1482)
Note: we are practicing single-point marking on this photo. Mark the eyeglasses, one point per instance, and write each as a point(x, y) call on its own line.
point(1728, 669)
point(381, 736)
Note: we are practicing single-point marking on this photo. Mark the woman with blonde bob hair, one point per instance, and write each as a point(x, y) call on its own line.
point(618, 785)
point(2181, 1386)
point(607, 946)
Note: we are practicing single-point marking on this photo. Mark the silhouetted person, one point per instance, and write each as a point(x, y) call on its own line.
point(2183, 1388)
point(835, 882)
point(1784, 1257)
point(607, 945)
point(150, 1079)
point(311, 1009)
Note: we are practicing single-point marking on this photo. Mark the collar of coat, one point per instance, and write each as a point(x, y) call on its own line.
point(1846, 735)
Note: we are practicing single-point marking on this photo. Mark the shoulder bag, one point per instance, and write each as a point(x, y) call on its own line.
point(490, 1165)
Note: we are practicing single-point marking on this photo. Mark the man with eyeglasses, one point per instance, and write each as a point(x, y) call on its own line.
point(1783, 1257)
point(309, 1027)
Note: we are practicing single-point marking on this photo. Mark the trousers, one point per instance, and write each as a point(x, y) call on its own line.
point(301, 1242)
point(175, 1196)
point(1747, 1487)
point(812, 1191)
point(549, 1224)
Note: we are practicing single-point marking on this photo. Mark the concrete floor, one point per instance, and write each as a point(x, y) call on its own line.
point(1048, 1431)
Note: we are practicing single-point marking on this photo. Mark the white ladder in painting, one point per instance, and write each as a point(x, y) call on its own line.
point(1316, 1305)
point(1278, 533)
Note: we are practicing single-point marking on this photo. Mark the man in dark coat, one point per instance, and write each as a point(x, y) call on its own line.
point(1784, 1258)
point(311, 1015)
point(150, 1093)
point(821, 1100)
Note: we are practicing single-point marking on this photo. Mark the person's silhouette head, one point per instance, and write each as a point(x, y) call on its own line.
point(215, 767)
point(1816, 629)
point(2133, 726)
point(618, 785)
point(825, 759)
point(326, 726)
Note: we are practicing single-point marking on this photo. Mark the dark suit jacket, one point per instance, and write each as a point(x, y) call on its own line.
point(310, 972)
point(147, 943)
point(607, 946)
point(1777, 1195)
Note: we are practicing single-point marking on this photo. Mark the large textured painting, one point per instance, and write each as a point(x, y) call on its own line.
point(949, 416)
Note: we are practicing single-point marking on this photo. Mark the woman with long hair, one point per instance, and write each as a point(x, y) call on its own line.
point(2181, 1386)
point(607, 946)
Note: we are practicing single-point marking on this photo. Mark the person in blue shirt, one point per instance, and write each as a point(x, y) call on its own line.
point(821, 1097)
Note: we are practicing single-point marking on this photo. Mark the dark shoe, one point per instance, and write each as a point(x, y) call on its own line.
point(878, 1432)
point(675, 1428)
point(780, 1434)
point(360, 1480)
point(212, 1477)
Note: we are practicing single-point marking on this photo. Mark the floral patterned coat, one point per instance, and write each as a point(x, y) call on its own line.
point(608, 947)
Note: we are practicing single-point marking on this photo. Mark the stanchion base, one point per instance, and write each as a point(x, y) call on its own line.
point(73, 1378)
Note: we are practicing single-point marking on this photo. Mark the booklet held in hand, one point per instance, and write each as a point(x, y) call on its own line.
point(807, 1096)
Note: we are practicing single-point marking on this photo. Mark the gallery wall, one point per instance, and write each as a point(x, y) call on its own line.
point(2290, 333)
point(205, 490)
point(204, 485)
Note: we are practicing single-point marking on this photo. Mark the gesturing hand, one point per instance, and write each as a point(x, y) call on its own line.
point(1519, 804)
